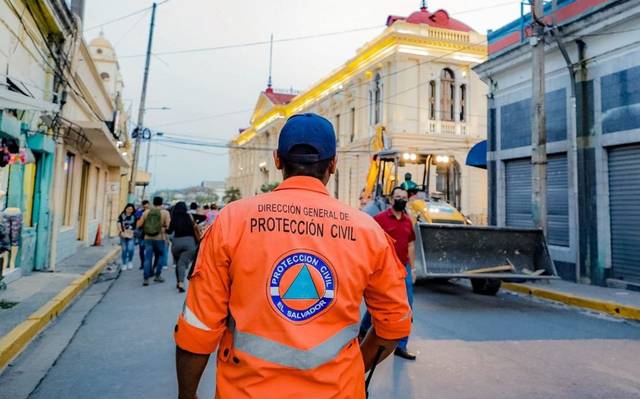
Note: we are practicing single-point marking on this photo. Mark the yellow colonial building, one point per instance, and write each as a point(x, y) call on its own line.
point(415, 80)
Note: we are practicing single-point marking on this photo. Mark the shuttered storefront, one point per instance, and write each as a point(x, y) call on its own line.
point(624, 208)
point(558, 200)
point(518, 180)
point(518, 193)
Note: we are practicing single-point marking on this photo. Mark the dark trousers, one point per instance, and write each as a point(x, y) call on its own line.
point(141, 251)
point(153, 249)
point(365, 325)
point(183, 250)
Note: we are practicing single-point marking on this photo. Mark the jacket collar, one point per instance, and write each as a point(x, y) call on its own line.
point(303, 183)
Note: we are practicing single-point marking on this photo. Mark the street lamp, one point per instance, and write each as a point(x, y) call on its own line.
point(157, 109)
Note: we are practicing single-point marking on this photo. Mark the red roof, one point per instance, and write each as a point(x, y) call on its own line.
point(278, 98)
point(439, 19)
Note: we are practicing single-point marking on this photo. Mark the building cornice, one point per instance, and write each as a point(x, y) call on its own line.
point(609, 16)
point(421, 40)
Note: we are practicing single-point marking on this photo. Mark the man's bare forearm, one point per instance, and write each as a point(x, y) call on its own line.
point(189, 367)
point(369, 348)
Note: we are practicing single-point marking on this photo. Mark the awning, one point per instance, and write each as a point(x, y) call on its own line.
point(13, 100)
point(103, 145)
point(477, 155)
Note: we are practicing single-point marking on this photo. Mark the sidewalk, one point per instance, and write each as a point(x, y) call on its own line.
point(35, 292)
point(614, 301)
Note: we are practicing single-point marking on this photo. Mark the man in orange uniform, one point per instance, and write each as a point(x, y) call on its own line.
point(279, 281)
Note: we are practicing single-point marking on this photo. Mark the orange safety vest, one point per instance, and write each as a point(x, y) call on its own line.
point(277, 290)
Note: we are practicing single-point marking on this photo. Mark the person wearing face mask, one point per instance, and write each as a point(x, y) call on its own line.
point(396, 223)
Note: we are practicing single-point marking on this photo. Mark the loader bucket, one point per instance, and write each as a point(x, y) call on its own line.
point(459, 251)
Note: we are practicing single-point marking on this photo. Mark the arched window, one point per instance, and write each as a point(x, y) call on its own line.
point(432, 100)
point(377, 99)
point(463, 102)
point(447, 95)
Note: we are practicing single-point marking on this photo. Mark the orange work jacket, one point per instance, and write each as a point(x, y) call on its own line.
point(277, 289)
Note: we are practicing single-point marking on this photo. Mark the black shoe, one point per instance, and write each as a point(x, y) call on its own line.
point(158, 279)
point(403, 353)
point(146, 282)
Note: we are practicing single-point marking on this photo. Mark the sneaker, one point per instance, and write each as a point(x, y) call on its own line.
point(180, 287)
point(405, 354)
point(146, 282)
point(158, 279)
point(130, 267)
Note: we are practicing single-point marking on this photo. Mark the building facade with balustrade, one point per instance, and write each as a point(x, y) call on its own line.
point(415, 80)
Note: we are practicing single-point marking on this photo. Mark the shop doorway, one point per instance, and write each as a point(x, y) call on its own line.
point(82, 210)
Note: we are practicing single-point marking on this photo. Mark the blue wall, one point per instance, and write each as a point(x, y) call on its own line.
point(621, 100)
point(515, 120)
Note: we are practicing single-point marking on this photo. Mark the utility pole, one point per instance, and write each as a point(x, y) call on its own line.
point(143, 97)
point(538, 125)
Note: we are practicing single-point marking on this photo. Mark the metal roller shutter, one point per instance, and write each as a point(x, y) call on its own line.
point(624, 208)
point(518, 197)
point(558, 201)
point(518, 193)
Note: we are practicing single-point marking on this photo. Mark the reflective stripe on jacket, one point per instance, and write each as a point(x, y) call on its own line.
point(277, 290)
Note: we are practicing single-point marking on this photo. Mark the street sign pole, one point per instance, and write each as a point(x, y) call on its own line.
point(143, 97)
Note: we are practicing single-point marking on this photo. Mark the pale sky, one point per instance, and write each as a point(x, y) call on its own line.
point(228, 81)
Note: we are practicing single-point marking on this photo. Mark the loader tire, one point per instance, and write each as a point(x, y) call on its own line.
point(485, 286)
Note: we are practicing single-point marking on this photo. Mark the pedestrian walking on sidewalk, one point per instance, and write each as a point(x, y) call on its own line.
point(183, 245)
point(395, 222)
point(154, 223)
point(278, 282)
point(139, 234)
point(126, 227)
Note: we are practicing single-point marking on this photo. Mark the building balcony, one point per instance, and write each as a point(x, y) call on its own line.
point(446, 128)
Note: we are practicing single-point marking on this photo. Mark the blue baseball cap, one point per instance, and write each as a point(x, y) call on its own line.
point(307, 129)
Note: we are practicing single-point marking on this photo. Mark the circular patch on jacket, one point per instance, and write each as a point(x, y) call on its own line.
point(301, 286)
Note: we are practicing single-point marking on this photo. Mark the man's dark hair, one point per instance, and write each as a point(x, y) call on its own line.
point(157, 201)
point(193, 206)
point(206, 207)
point(145, 202)
point(316, 169)
point(394, 190)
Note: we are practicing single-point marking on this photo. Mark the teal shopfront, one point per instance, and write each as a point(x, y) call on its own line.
point(25, 187)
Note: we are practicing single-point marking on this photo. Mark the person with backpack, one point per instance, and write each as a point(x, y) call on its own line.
point(154, 223)
point(139, 236)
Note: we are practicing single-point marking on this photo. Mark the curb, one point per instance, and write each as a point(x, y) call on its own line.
point(611, 308)
point(16, 340)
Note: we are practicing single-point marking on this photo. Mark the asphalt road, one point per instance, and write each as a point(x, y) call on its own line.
point(469, 346)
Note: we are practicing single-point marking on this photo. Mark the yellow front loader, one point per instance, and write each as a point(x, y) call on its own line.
point(448, 245)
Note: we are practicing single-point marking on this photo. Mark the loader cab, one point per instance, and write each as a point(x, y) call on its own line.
point(424, 204)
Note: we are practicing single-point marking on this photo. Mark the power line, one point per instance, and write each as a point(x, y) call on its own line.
point(203, 118)
point(350, 87)
point(257, 43)
point(123, 17)
point(193, 149)
point(296, 38)
point(133, 26)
